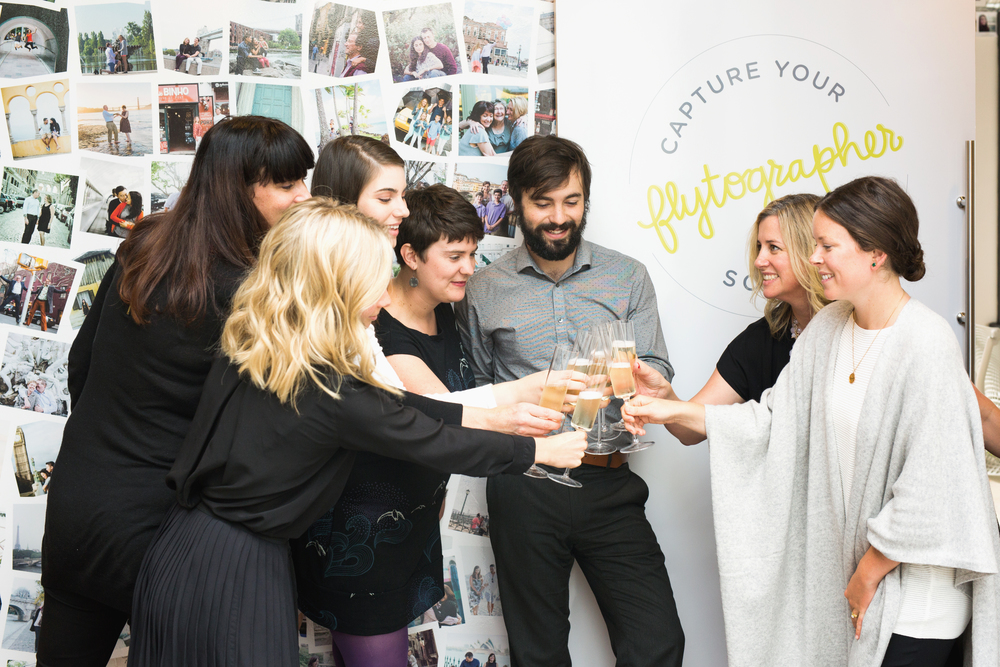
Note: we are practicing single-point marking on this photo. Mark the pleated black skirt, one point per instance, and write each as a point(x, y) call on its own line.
point(213, 594)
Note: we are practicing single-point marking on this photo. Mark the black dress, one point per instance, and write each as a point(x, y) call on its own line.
point(216, 586)
point(134, 391)
point(44, 218)
point(753, 360)
point(387, 516)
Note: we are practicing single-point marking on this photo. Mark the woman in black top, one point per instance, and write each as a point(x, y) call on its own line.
point(297, 390)
point(136, 372)
point(779, 246)
point(44, 218)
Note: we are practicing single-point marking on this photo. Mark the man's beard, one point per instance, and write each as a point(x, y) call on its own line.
point(552, 251)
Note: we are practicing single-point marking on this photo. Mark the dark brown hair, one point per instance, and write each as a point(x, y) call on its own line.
point(879, 215)
point(215, 219)
point(347, 164)
point(541, 164)
point(437, 212)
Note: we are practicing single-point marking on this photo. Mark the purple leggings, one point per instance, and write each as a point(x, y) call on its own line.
point(388, 650)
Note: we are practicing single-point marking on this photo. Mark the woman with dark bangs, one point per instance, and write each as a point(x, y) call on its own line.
point(136, 372)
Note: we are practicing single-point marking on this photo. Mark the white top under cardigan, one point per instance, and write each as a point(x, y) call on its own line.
point(932, 607)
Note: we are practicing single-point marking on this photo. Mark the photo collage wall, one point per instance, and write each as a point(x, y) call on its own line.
point(106, 104)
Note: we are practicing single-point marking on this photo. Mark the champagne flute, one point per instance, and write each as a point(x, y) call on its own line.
point(601, 353)
point(622, 381)
point(580, 362)
point(554, 391)
point(623, 357)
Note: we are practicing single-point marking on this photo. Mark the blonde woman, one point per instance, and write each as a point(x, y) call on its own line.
point(284, 410)
point(778, 249)
point(517, 112)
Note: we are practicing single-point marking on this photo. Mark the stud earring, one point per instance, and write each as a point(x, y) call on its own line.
point(873, 265)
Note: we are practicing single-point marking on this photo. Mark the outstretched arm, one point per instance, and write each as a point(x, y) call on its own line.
point(643, 410)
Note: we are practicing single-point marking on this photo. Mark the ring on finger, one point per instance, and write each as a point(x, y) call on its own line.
point(854, 615)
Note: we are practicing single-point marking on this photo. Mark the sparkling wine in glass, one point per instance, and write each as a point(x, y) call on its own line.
point(581, 361)
point(554, 391)
point(622, 380)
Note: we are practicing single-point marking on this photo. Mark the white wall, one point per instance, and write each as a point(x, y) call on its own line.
point(987, 141)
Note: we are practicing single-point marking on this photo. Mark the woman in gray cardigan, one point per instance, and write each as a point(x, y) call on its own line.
point(853, 515)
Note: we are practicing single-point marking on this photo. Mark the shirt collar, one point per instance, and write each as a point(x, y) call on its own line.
point(523, 260)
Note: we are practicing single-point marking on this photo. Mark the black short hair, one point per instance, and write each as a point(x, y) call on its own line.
point(541, 164)
point(437, 212)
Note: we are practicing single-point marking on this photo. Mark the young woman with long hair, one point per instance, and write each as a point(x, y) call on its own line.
point(136, 372)
point(853, 515)
point(297, 390)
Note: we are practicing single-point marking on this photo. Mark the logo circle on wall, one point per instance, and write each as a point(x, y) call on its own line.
point(740, 124)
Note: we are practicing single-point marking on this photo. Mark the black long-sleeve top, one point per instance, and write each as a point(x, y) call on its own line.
point(134, 391)
point(275, 469)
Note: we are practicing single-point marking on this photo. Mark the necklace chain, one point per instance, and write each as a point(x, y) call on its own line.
point(854, 323)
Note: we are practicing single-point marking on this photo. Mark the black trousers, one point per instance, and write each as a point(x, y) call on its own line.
point(906, 651)
point(29, 228)
point(77, 631)
point(538, 528)
point(486, 65)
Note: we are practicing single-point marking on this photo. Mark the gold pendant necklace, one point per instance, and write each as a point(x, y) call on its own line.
point(854, 323)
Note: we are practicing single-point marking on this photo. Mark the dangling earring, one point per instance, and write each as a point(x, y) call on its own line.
point(413, 280)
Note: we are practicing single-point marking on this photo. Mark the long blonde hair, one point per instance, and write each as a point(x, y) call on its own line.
point(297, 317)
point(794, 213)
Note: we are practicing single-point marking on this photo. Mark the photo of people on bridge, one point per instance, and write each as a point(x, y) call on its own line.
point(24, 609)
point(33, 41)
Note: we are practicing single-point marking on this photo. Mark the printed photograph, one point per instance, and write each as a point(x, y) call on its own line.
point(986, 21)
point(28, 525)
point(497, 38)
point(188, 48)
point(315, 644)
point(36, 120)
point(277, 101)
point(187, 111)
point(115, 38)
point(486, 649)
point(24, 604)
point(423, 120)
point(448, 610)
point(27, 360)
point(469, 513)
point(545, 112)
point(3, 534)
point(20, 663)
point(113, 197)
point(167, 180)
point(37, 207)
point(422, 42)
point(35, 41)
point(272, 52)
point(423, 651)
point(115, 119)
point(545, 59)
point(485, 185)
point(356, 108)
point(480, 580)
point(35, 290)
point(343, 41)
point(494, 119)
point(95, 264)
point(420, 175)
